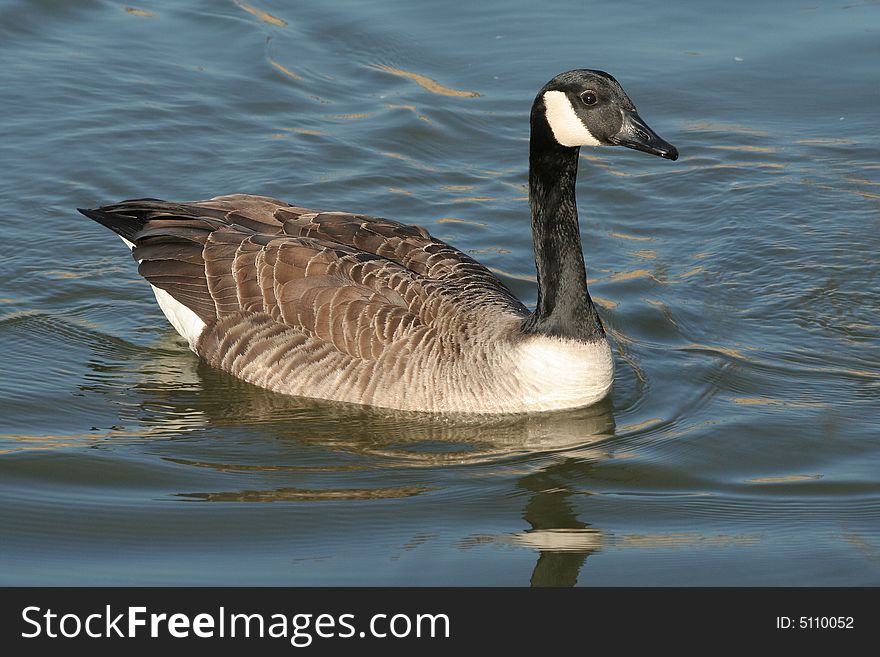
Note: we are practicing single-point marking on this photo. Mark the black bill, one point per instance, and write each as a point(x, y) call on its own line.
point(636, 134)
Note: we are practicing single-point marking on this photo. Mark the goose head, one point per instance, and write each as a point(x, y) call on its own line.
point(590, 108)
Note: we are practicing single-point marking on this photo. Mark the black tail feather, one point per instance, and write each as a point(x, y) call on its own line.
point(128, 218)
point(168, 241)
point(124, 225)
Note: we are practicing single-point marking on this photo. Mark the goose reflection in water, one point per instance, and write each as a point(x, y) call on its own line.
point(193, 404)
point(563, 541)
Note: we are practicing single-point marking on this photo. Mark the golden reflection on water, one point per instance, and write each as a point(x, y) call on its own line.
point(635, 238)
point(714, 349)
point(450, 220)
point(250, 467)
point(861, 181)
point(304, 131)
point(691, 272)
point(862, 545)
point(520, 277)
point(489, 249)
point(595, 160)
point(503, 172)
point(409, 160)
point(472, 199)
point(619, 336)
point(629, 275)
point(747, 165)
point(425, 82)
point(411, 108)
point(621, 344)
point(284, 70)
point(302, 495)
point(745, 148)
point(641, 426)
point(53, 442)
point(353, 116)
point(264, 16)
point(827, 141)
point(782, 479)
point(139, 12)
point(766, 401)
point(608, 304)
point(58, 274)
point(857, 192)
point(685, 539)
point(737, 128)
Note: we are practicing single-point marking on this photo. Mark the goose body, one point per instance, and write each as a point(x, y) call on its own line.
point(360, 309)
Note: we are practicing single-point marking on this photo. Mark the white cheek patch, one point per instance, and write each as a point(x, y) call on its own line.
point(567, 127)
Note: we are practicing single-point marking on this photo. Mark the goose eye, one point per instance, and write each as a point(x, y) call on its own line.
point(589, 97)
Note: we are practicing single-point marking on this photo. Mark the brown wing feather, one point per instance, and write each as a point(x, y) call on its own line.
point(345, 297)
point(359, 284)
point(410, 246)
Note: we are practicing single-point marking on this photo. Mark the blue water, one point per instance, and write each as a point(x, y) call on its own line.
point(741, 444)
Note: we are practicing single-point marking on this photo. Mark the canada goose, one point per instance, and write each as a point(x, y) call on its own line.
point(347, 307)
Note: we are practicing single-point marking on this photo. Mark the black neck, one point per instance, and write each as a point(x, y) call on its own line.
point(564, 305)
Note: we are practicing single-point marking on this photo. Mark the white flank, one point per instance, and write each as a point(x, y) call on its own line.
point(184, 320)
point(558, 373)
point(567, 127)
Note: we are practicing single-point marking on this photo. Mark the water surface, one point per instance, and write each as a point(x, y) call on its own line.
point(741, 444)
